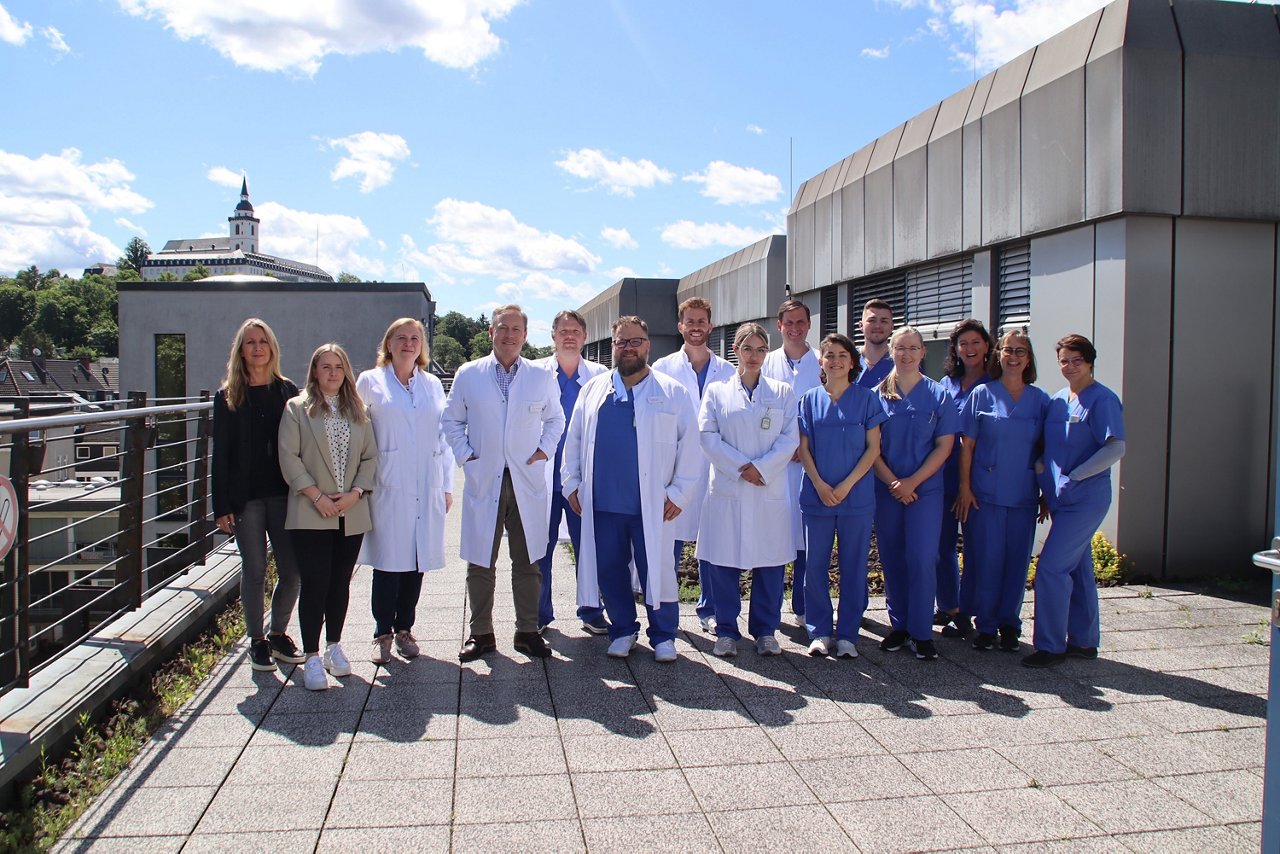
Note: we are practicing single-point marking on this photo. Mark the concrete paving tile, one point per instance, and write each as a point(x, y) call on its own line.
point(143, 812)
point(407, 694)
point(860, 778)
point(930, 733)
point(1231, 712)
point(676, 715)
point(1161, 756)
point(206, 731)
point(779, 828)
point(406, 725)
point(499, 668)
point(1251, 832)
point(979, 769)
point(1227, 796)
point(717, 747)
point(518, 757)
point(1219, 840)
point(1021, 815)
point(630, 725)
point(1053, 726)
point(618, 752)
point(383, 840)
point(779, 709)
point(1249, 679)
point(904, 824)
point(736, 787)
point(390, 802)
point(315, 729)
point(424, 669)
point(1078, 845)
point(805, 742)
point(301, 841)
point(505, 721)
point(376, 760)
point(1066, 764)
point(668, 834)
point(253, 701)
point(633, 793)
point(120, 845)
point(484, 800)
point(1129, 806)
point(270, 763)
point(558, 836)
point(182, 766)
point(1194, 658)
point(240, 809)
point(343, 695)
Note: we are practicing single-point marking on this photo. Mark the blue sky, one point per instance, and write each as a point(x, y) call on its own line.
point(497, 150)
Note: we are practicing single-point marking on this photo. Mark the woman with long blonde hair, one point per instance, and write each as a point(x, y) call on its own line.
point(250, 498)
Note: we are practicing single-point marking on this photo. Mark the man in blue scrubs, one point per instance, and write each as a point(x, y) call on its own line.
point(874, 358)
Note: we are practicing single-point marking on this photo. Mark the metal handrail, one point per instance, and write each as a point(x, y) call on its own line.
point(49, 421)
point(1269, 559)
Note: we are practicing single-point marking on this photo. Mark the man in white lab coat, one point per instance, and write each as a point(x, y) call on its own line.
point(696, 367)
point(631, 466)
point(796, 364)
point(504, 422)
point(568, 334)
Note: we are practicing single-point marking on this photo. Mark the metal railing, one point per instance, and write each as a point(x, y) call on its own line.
point(86, 551)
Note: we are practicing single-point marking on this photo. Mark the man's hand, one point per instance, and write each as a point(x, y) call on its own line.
point(574, 504)
point(670, 510)
point(751, 474)
point(448, 502)
point(227, 523)
point(537, 455)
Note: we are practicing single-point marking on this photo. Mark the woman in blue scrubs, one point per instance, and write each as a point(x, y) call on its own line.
point(839, 442)
point(968, 354)
point(1083, 438)
point(914, 445)
point(1003, 435)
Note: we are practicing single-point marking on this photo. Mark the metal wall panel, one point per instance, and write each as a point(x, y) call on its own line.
point(877, 223)
point(822, 242)
point(911, 189)
point(743, 286)
point(971, 164)
point(1002, 152)
point(852, 245)
point(945, 197)
point(1061, 295)
point(801, 241)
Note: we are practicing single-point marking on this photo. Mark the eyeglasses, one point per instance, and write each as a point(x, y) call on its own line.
point(628, 343)
point(753, 351)
point(913, 349)
point(1015, 351)
point(1074, 361)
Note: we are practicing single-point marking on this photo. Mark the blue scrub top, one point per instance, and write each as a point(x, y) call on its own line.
point(837, 434)
point(951, 471)
point(914, 423)
point(616, 481)
point(1074, 430)
point(1009, 439)
point(569, 389)
point(870, 377)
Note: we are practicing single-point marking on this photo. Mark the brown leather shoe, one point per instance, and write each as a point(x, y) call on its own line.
point(476, 646)
point(532, 645)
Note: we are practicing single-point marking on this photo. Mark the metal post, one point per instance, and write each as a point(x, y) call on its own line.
point(132, 561)
point(202, 536)
point(16, 635)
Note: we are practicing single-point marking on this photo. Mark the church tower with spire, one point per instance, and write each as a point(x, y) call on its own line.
point(243, 224)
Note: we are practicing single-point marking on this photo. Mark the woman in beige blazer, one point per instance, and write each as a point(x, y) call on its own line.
point(329, 458)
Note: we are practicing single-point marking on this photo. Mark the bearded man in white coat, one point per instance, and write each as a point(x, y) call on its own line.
point(631, 466)
point(504, 421)
point(696, 368)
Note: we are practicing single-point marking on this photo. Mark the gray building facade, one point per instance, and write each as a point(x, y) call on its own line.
point(650, 299)
point(746, 286)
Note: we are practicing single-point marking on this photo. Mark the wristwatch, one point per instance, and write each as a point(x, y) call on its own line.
point(358, 491)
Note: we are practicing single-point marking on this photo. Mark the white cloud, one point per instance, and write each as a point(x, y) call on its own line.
point(755, 129)
point(623, 176)
point(131, 226)
point(736, 185)
point(479, 240)
point(11, 31)
point(876, 52)
point(55, 40)
point(686, 234)
point(225, 177)
point(104, 184)
point(371, 157)
point(289, 233)
point(541, 286)
point(620, 238)
point(616, 273)
point(296, 35)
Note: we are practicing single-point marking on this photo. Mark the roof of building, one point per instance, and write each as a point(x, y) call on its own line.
point(24, 378)
point(196, 244)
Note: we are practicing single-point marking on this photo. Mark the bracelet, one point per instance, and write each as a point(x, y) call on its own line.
point(316, 500)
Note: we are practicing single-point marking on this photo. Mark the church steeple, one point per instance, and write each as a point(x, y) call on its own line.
point(243, 224)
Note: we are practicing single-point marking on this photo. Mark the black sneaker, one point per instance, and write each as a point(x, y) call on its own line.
point(1009, 639)
point(959, 626)
point(941, 618)
point(284, 649)
point(260, 655)
point(1089, 653)
point(895, 641)
point(984, 641)
point(1044, 658)
point(925, 650)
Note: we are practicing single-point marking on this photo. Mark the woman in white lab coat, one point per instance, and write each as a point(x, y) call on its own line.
point(415, 484)
point(748, 431)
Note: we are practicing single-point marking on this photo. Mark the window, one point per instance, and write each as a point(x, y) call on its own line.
point(83, 452)
point(171, 382)
point(939, 294)
point(716, 341)
point(1014, 299)
point(828, 321)
point(729, 333)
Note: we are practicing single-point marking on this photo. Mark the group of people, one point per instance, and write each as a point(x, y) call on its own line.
point(782, 459)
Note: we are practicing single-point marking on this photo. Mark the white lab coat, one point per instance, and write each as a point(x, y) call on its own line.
point(669, 461)
point(677, 366)
point(502, 434)
point(586, 370)
point(805, 375)
point(415, 470)
point(744, 525)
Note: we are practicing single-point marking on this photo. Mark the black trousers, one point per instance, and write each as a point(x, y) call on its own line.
point(326, 560)
point(394, 600)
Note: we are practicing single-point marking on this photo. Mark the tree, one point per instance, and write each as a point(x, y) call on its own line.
point(199, 272)
point(31, 339)
point(459, 327)
point(63, 317)
point(17, 310)
point(135, 254)
point(480, 345)
point(531, 352)
point(448, 353)
point(166, 276)
point(348, 278)
point(105, 337)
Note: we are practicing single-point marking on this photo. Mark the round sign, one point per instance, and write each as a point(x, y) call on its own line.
point(8, 516)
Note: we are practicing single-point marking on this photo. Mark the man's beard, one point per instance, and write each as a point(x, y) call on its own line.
point(629, 368)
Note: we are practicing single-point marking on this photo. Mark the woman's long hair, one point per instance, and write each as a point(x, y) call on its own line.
point(1029, 372)
point(236, 383)
point(954, 365)
point(350, 406)
point(888, 387)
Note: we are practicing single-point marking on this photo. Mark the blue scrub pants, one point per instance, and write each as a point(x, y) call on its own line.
point(766, 600)
point(798, 571)
point(820, 534)
point(706, 583)
point(908, 535)
point(1000, 540)
point(954, 592)
point(560, 506)
point(618, 537)
point(1066, 590)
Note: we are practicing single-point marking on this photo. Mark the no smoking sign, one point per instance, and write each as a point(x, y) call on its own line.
point(8, 516)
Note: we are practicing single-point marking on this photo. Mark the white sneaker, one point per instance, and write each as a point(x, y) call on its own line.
point(665, 651)
point(725, 647)
point(313, 674)
point(621, 647)
point(708, 624)
point(819, 647)
point(846, 649)
point(335, 660)
point(768, 645)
